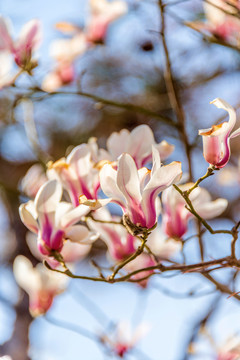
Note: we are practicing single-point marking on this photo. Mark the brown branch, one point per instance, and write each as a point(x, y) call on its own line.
point(172, 90)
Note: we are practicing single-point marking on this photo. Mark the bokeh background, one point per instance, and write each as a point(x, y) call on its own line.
point(127, 69)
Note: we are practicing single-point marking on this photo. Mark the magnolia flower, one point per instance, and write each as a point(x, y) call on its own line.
point(79, 177)
point(136, 190)
point(102, 13)
point(23, 48)
point(124, 339)
point(53, 220)
point(175, 216)
point(137, 143)
point(34, 178)
point(41, 284)
point(216, 140)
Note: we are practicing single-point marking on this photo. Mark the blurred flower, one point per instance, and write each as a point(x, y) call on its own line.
point(79, 177)
point(136, 190)
point(6, 76)
point(221, 20)
point(34, 178)
point(161, 246)
point(22, 48)
point(230, 350)
point(137, 143)
point(65, 52)
point(175, 216)
point(216, 140)
point(230, 175)
point(5, 357)
point(52, 220)
point(102, 13)
point(41, 284)
point(124, 339)
point(141, 262)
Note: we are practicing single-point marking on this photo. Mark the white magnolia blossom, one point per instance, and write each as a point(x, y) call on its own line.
point(53, 221)
point(136, 190)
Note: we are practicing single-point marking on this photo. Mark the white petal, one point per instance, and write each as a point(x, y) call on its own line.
point(117, 143)
point(212, 209)
point(74, 216)
point(222, 104)
point(108, 182)
point(48, 197)
point(128, 179)
point(25, 274)
point(28, 218)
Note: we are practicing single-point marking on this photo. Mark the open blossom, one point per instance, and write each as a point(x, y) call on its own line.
point(41, 284)
point(78, 175)
point(137, 143)
point(124, 339)
point(216, 140)
point(175, 216)
point(136, 190)
point(53, 221)
point(23, 48)
point(102, 13)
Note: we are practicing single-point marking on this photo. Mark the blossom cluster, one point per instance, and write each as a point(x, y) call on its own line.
point(69, 206)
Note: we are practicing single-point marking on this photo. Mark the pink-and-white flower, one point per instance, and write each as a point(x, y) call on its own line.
point(79, 176)
point(123, 339)
point(23, 48)
point(102, 14)
point(216, 140)
point(41, 284)
point(175, 216)
point(52, 220)
point(136, 190)
point(137, 143)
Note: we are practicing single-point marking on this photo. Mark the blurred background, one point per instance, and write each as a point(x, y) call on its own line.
point(122, 85)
